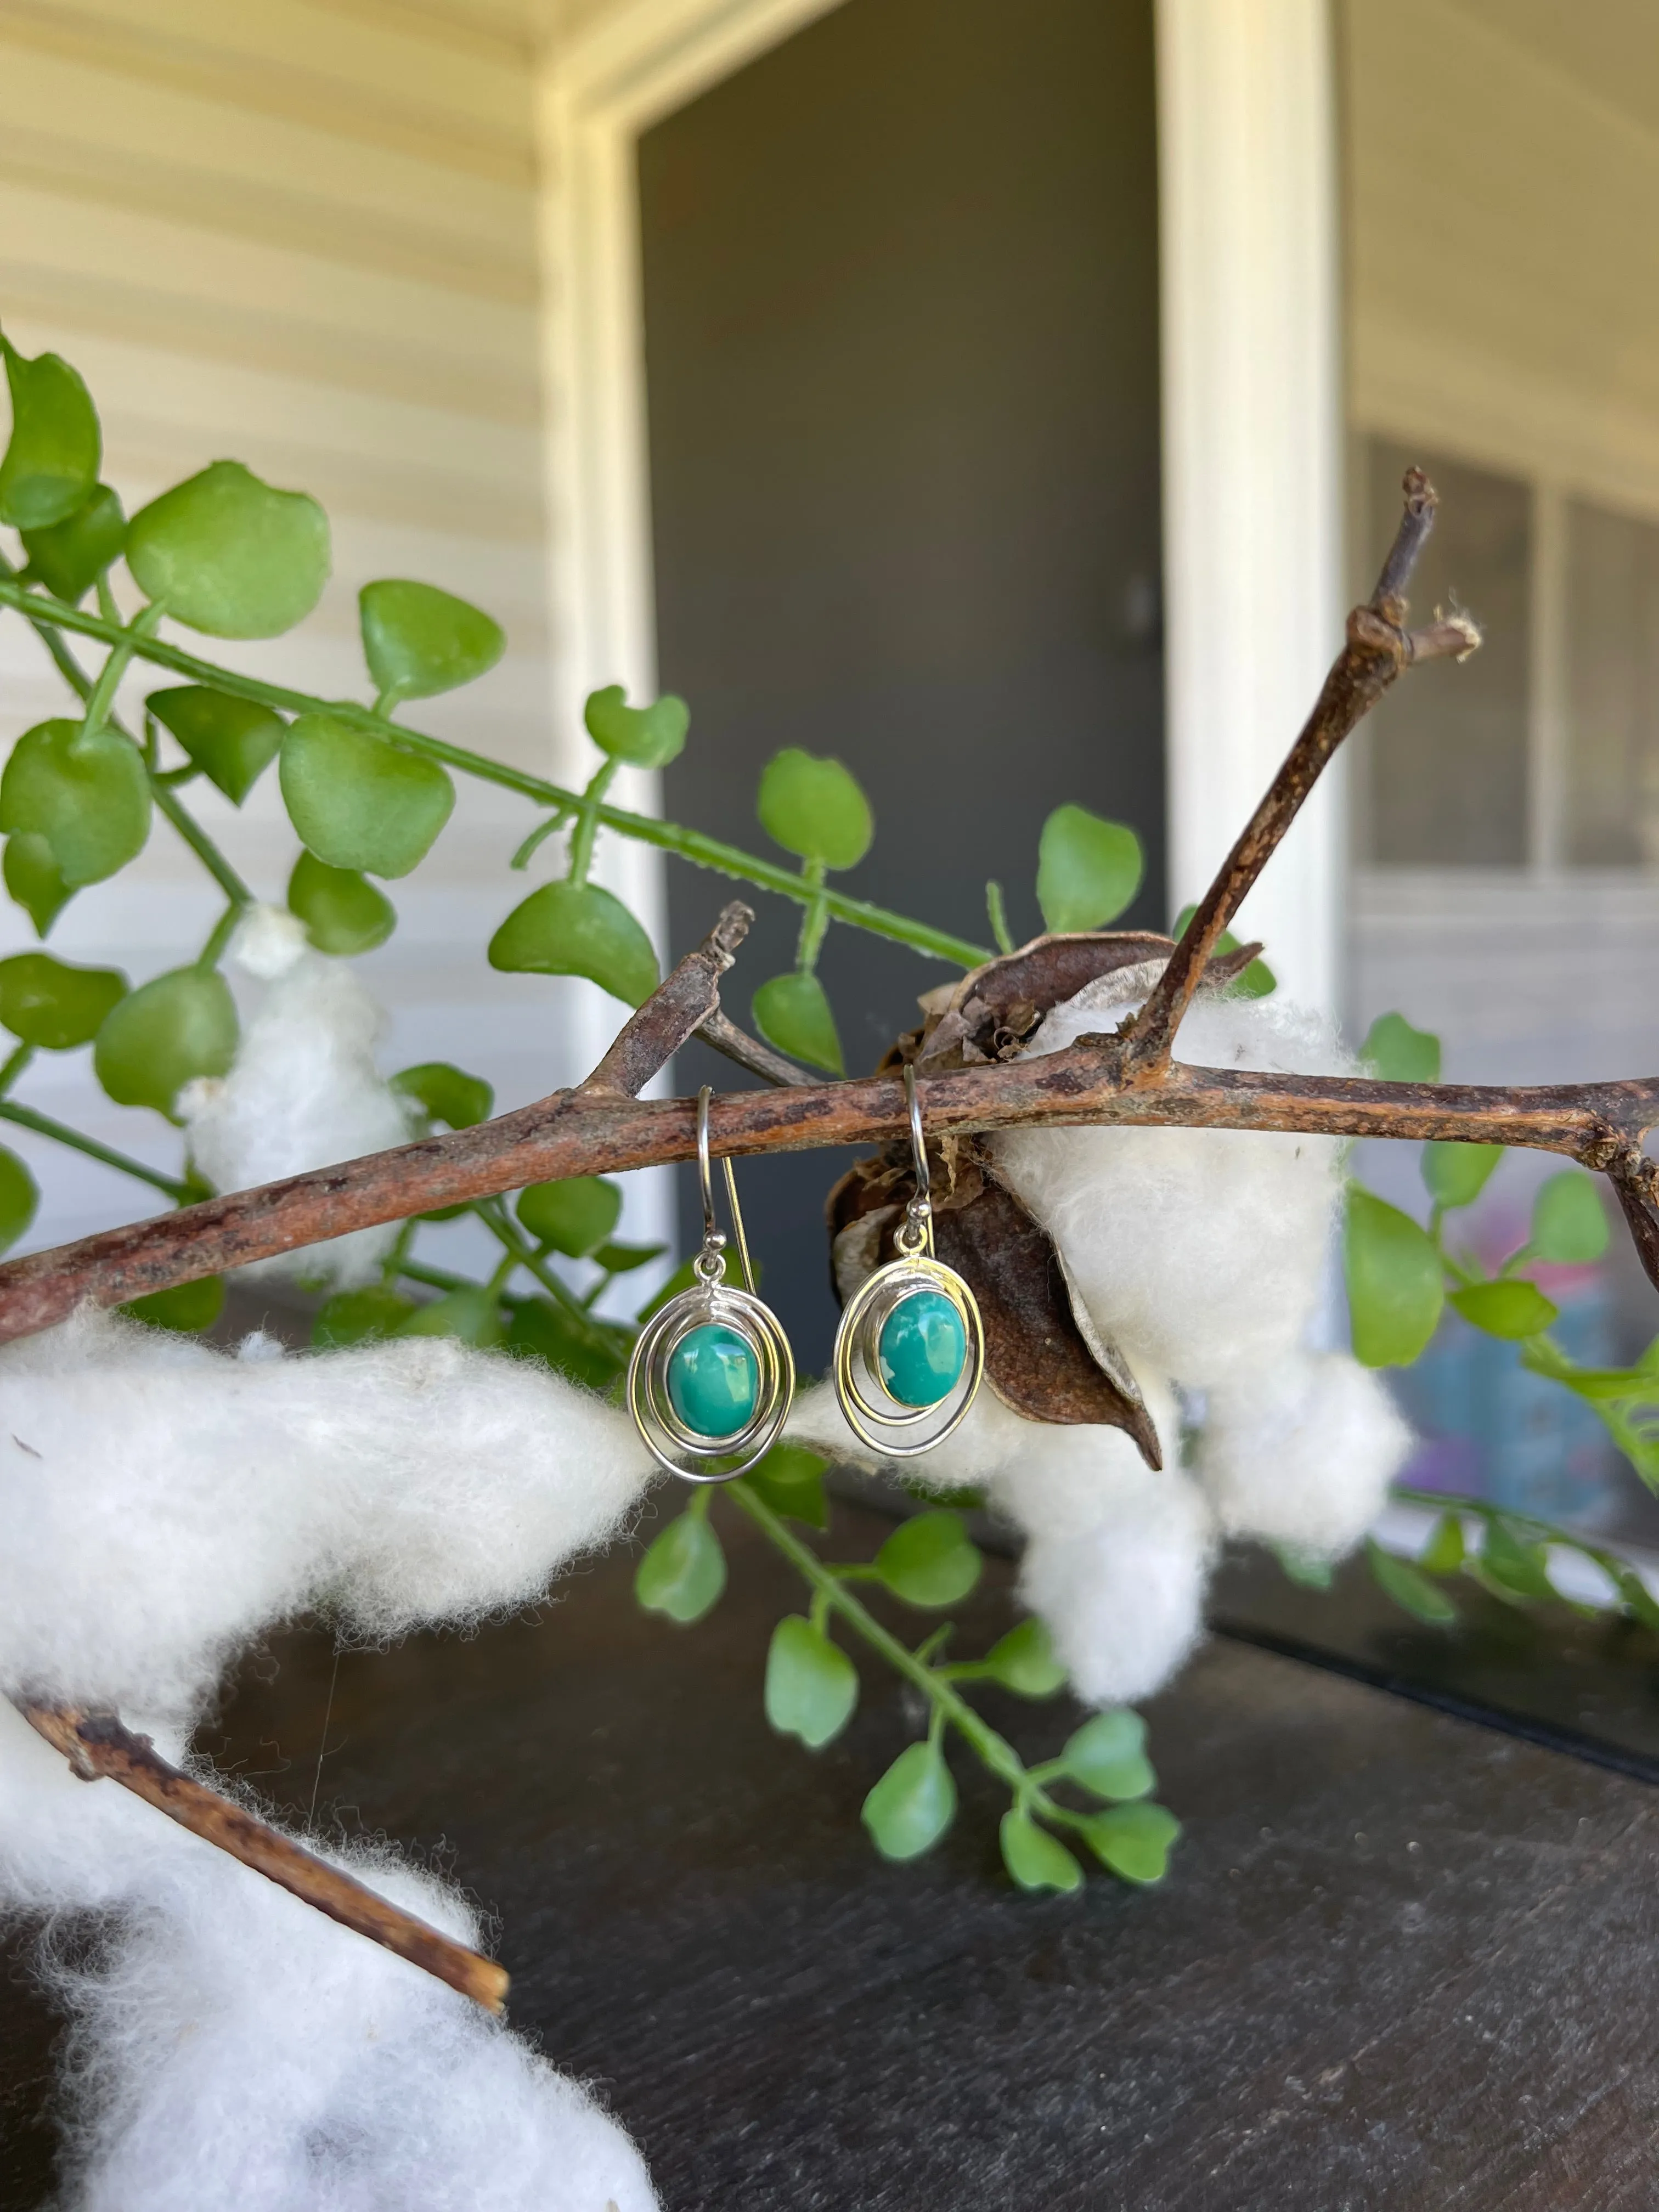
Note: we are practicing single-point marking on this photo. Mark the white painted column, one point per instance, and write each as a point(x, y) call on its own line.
point(1252, 450)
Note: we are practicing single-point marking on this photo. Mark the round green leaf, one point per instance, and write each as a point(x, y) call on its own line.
point(577, 929)
point(1456, 1175)
point(1134, 1840)
point(929, 1559)
point(186, 1309)
point(540, 1330)
point(69, 557)
point(47, 1002)
point(357, 1316)
point(51, 463)
point(419, 640)
point(1024, 1661)
point(683, 1572)
point(645, 737)
point(358, 801)
point(1088, 869)
point(619, 1259)
point(163, 1036)
point(19, 1198)
point(1513, 1308)
point(88, 797)
point(343, 913)
point(1396, 1286)
point(231, 741)
point(1035, 1859)
point(574, 1217)
point(230, 555)
point(473, 1314)
point(814, 808)
point(1108, 1756)
point(790, 1479)
point(913, 1804)
point(1398, 1054)
point(812, 1686)
point(447, 1094)
point(792, 1012)
point(1412, 1591)
point(34, 879)
point(1568, 1225)
point(1514, 1565)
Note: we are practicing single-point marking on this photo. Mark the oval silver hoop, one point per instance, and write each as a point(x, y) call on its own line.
point(696, 1455)
point(885, 1422)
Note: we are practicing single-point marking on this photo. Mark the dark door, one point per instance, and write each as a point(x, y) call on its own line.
point(901, 303)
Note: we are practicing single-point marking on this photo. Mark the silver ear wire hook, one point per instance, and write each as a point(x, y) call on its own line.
point(713, 1241)
point(917, 1234)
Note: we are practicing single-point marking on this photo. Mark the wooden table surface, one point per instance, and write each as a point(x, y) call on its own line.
point(1400, 1961)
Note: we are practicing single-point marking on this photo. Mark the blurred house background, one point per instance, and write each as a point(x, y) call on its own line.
point(1008, 398)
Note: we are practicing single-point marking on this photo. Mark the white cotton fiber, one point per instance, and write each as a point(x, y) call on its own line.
point(1117, 1555)
point(304, 1092)
point(163, 1502)
point(1302, 1453)
point(1199, 1252)
point(231, 2047)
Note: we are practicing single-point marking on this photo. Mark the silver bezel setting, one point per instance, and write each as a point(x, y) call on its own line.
point(877, 1418)
point(686, 1452)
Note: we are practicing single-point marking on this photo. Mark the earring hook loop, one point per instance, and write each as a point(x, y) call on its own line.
point(918, 1142)
point(712, 1239)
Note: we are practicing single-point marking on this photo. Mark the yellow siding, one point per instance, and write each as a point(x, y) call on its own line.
point(304, 235)
point(1503, 182)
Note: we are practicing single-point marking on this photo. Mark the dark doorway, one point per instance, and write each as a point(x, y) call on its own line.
point(901, 306)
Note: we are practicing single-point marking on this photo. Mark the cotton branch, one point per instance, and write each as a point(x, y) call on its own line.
point(97, 1746)
point(676, 1010)
point(1379, 648)
point(600, 1131)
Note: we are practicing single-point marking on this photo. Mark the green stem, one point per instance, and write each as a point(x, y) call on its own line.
point(995, 1751)
point(583, 1323)
point(169, 803)
point(814, 923)
point(1540, 1532)
point(43, 1125)
point(538, 837)
point(998, 914)
point(14, 1066)
point(116, 663)
point(49, 616)
point(219, 936)
point(587, 824)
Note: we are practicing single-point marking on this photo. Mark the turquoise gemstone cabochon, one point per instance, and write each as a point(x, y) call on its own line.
point(922, 1349)
point(713, 1381)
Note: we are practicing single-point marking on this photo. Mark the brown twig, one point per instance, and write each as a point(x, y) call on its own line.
point(759, 1058)
point(601, 1133)
point(1378, 648)
point(98, 1746)
point(676, 1010)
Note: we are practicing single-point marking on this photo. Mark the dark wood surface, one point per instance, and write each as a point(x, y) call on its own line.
point(1400, 1961)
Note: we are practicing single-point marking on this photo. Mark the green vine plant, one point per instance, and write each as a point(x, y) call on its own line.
point(368, 793)
point(1402, 1277)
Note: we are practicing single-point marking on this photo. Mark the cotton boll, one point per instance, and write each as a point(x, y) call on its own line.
point(268, 942)
point(1117, 1555)
point(304, 1092)
point(1199, 1252)
point(163, 1502)
point(238, 2048)
point(1303, 1453)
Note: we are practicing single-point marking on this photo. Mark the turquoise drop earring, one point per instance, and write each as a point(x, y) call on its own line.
point(712, 1376)
point(910, 1350)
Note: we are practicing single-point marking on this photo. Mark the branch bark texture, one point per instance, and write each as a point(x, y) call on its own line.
point(99, 1746)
